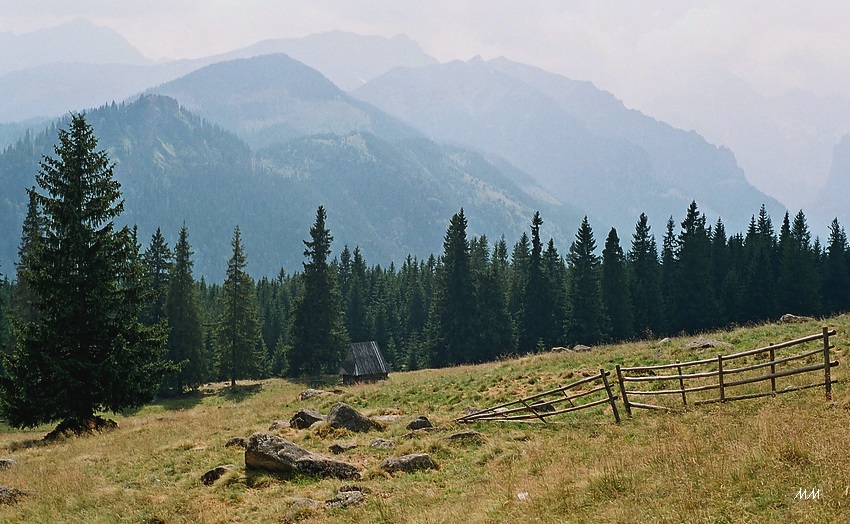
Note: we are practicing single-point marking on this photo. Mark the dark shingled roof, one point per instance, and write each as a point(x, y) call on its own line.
point(363, 359)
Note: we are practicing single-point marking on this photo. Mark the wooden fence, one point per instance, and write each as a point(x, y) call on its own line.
point(712, 374)
point(543, 405)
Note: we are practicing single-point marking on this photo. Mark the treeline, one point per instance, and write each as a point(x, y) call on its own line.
point(479, 300)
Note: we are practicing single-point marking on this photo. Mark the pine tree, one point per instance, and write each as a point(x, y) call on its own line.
point(587, 322)
point(182, 309)
point(836, 270)
point(23, 306)
point(760, 271)
point(451, 317)
point(799, 286)
point(87, 351)
point(239, 340)
point(693, 297)
point(540, 322)
point(646, 280)
point(615, 289)
point(318, 333)
point(158, 261)
point(5, 325)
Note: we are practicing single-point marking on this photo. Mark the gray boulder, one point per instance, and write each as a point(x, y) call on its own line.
point(310, 393)
point(276, 454)
point(408, 463)
point(304, 418)
point(341, 447)
point(7, 463)
point(235, 441)
point(420, 423)
point(346, 497)
point(380, 443)
point(343, 416)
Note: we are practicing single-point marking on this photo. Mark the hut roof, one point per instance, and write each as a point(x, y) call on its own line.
point(364, 358)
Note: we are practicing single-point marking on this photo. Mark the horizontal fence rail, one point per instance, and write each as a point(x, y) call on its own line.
point(717, 374)
point(558, 401)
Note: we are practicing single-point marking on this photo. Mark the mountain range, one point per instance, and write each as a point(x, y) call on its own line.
point(391, 199)
point(260, 139)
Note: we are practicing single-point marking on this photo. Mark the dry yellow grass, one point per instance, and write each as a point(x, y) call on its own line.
point(736, 462)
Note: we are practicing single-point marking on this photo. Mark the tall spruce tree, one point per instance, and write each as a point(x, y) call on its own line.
point(836, 270)
point(587, 319)
point(182, 309)
point(158, 260)
point(694, 300)
point(239, 341)
point(540, 321)
point(451, 337)
point(87, 351)
point(645, 280)
point(615, 289)
point(318, 334)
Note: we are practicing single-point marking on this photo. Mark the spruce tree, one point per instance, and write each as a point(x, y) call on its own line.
point(318, 334)
point(587, 320)
point(450, 337)
point(645, 280)
point(239, 340)
point(539, 319)
point(836, 270)
point(182, 310)
point(86, 351)
point(158, 260)
point(615, 289)
point(693, 296)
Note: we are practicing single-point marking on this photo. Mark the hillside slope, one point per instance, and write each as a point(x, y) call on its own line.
point(735, 462)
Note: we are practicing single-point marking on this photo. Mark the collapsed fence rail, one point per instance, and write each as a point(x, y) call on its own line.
point(725, 376)
point(539, 407)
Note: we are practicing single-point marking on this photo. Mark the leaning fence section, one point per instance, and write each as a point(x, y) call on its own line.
point(775, 369)
point(583, 394)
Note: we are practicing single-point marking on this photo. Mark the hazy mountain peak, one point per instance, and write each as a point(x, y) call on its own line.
point(347, 59)
point(78, 40)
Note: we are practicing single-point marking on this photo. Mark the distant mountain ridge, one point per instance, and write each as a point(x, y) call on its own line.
point(273, 98)
point(391, 199)
point(579, 142)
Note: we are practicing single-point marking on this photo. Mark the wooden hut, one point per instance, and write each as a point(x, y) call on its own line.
point(363, 363)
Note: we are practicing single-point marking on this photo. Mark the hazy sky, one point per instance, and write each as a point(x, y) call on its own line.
point(627, 47)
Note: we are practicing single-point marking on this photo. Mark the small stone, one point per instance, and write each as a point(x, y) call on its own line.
point(235, 441)
point(310, 393)
point(420, 423)
point(380, 443)
point(7, 463)
point(304, 418)
point(581, 348)
point(707, 343)
point(214, 474)
point(11, 495)
point(341, 447)
point(345, 499)
point(278, 425)
point(408, 463)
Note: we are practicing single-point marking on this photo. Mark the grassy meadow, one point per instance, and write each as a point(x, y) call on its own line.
point(734, 462)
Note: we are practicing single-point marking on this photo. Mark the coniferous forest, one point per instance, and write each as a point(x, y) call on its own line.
point(478, 300)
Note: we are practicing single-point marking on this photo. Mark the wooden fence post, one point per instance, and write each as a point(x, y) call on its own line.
point(682, 385)
point(623, 391)
point(604, 376)
point(772, 370)
point(827, 378)
point(720, 376)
